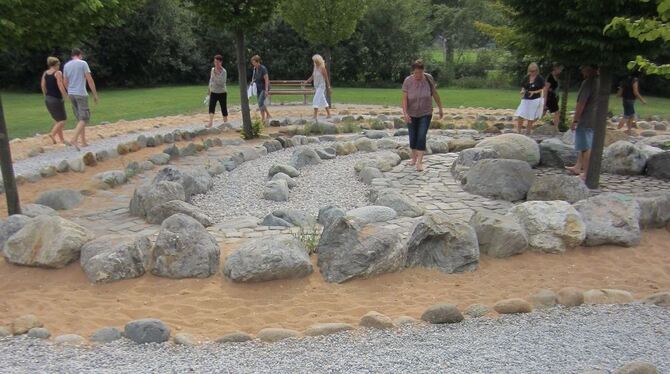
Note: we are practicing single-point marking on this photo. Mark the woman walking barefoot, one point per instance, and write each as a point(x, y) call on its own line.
point(532, 102)
point(217, 90)
point(321, 86)
point(418, 92)
point(54, 93)
point(262, 80)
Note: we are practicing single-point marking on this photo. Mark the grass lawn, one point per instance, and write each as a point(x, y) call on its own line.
point(26, 114)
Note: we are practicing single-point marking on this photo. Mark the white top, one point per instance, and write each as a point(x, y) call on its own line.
point(217, 82)
point(75, 73)
point(319, 80)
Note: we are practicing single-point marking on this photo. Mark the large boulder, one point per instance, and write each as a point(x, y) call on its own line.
point(467, 158)
point(184, 249)
point(558, 187)
point(500, 179)
point(47, 241)
point(514, 147)
point(282, 168)
point(403, 205)
point(276, 190)
point(349, 250)
point(114, 257)
point(654, 209)
point(345, 148)
point(384, 161)
point(194, 181)
point(267, 259)
point(369, 173)
point(372, 214)
point(365, 145)
point(658, 166)
point(551, 226)
point(293, 217)
point(147, 330)
point(34, 210)
point(440, 242)
point(112, 178)
point(498, 235)
point(290, 182)
point(611, 218)
point(555, 153)
point(461, 144)
point(12, 225)
point(624, 158)
point(659, 141)
point(151, 195)
point(304, 156)
point(60, 199)
point(161, 212)
point(327, 214)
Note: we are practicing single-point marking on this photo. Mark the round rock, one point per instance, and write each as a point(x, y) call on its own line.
point(442, 313)
point(512, 306)
point(327, 328)
point(570, 296)
point(147, 331)
point(70, 339)
point(376, 320)
point(106, 335)
point(39, 333)
point(274, 334)
point(235, 337)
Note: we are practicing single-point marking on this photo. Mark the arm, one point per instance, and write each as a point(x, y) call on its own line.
point(636, 92)
point(211, 75)
point(310, 79)
point(43, 84)
point(267, 83)
point(438, 101)
point(91, 84)
point(61, 84)
point(404, 107)
point(578, 114)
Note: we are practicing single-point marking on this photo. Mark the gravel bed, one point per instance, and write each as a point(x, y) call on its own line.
point(240, 192)
point(554, 341)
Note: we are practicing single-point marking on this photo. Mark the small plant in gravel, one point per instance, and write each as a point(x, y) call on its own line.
point(309, 237)
point(317, 128)
point(376, 124)
point(256, 128)
point(479, 125)
point(449, 126)
point(349, 127)
point(436, 124)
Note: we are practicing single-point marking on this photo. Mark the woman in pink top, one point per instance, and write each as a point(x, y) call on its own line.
point(418, 92)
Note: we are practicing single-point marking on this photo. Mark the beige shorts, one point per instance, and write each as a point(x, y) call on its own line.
point(80, 107)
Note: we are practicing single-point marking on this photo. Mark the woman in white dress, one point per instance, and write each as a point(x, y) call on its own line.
point(321, 86)
point(532, 103)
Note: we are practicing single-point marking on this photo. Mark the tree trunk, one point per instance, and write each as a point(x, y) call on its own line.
point(242, 77)
point(593, 175)
point(565, 90)
point(11, 192)
point(329, 62)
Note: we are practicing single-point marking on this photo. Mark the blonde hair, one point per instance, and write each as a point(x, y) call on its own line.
point(533, 66)
point(52, 61)
point(318, 60)
point(256, 58)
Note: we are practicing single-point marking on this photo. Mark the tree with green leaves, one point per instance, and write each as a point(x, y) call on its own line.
point(572, 31)
point(238, 16)
point(647, 29)
point(323, 22)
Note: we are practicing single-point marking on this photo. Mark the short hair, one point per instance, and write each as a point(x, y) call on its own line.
point(557, 65)
point(256, 58)
point(218, 58)
point(418, 64)
point(533, 66)
point(52, 61)
point(76, 52)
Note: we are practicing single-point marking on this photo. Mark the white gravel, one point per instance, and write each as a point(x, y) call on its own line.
point(239, 192)
point(555, 341)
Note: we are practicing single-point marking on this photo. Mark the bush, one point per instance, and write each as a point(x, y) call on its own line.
point(317, 128)
point(348, 127)
point(436, 124)
point(309, 238)
point(479, 125)
point(377, 124)
point(256, 129)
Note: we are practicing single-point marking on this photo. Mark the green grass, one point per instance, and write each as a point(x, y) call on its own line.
point(26, 114)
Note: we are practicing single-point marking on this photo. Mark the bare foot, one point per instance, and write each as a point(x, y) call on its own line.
point(619, 126)
point(411, 162)
point(572, 170)
point(582, 176)
point(209, 125)
point(84, 144)
point(419, 167)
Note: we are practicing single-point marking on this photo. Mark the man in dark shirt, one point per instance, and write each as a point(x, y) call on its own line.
point(585, 119)
point(629, 91)
point(262, 80)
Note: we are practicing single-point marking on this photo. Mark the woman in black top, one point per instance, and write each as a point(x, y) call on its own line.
point(551, 93)
point(54, 92)
point(629, 90)
point(532, 102)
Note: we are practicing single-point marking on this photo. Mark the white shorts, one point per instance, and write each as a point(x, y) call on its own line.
point(530, 109)
point(319, 100)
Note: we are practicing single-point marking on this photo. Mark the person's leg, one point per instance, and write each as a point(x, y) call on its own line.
point(422, 134)
point(316, 114)
point(327, 112)
point(529, 129)
point(581, 144)
point(519, 124)
point(586, 156)
point(557, 118)
point(83, 134)
point(412, 127)
point(224, 106)
point(212, 108)
point(59, 131)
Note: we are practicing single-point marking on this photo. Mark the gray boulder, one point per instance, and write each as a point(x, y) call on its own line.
point(498, 236)
point(372, 214)
point(34, 210)
point(654, 209)
point(349, 250)
point(105, 335)
point(151, 195)
point(611, 218)
point(365, 145)
point(161, 212)
point(272, 220)
point(289, 181)
point(403, 205)
point(147, 330)
point(468, 158)
point(46, 241)
point(281, 168)
point(443, 243)
point(375, 134)
point(113, 257)
point(500, 179)
point(112, 177)
point(295, 217)
point(345, 148)
point(304, 156)
point(327, 153)
point(194, 181)
point(658, 166)
point(514, 147)
point(368, 173)
point(658, 141)
point(159, 158)
point(12, 225)
point(268, 259)
point(184, 249)
point(551, 226)
point(328, 214)
point(558, 187)
point(384, 161)
point(438, 146)
point(60, 199)
point(624, 158)
point(555, 153)
point(276, 190)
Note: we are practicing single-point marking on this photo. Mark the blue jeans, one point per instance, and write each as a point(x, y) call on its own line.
point(261, 99)
point(418, 130)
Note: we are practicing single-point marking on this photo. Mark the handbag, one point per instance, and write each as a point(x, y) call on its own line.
point(252, 90)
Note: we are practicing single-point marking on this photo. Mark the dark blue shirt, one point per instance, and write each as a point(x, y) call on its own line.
point(259, 77)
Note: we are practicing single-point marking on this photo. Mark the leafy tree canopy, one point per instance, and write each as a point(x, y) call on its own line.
point(236, 15)
point(323, 22)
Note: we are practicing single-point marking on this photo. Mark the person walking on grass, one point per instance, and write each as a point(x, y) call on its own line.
point(54, 94)
point(418, 93)
point(77, 74)
point(321, 86)
point(551, 94)
point(262, 80)
point(532, 102)
point(217, 90)
point(584, 120)
point(629, 91)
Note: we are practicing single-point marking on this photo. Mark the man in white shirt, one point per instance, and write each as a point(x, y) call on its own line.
point(76, 74)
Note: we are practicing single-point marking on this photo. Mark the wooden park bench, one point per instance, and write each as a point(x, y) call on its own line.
point(290, 88)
